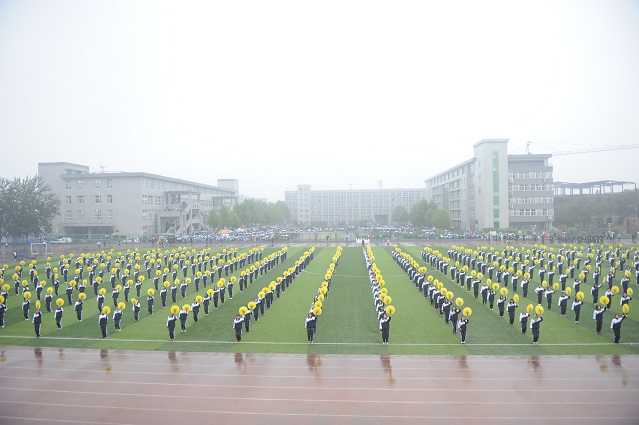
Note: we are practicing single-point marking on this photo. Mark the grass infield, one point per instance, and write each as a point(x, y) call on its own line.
point(348, 323)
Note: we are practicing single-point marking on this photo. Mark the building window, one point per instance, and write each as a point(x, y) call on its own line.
point(67, 200)
point(97, 214)
point(80, 184)
point(97, 199)
point(109, 184)
point(97, 184)
point(68, 215)
point(109, 199)
point(80, 215)
point(109, 214)
point(80, 199)
point(67, 185)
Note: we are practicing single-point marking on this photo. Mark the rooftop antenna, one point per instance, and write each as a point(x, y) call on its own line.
point(528, 143)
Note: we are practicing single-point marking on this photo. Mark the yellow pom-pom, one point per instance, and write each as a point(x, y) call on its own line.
point(516, 298)
point(625, 308)
point(450, 295)
point(318, 304)
point(38, 304)
point(175, 309)
point(387, 300)
point(629, 292)
point(615, 289)
point(59, 302)
point(49, 291)
point(568, 291)
point(539, 310)
point(82, 296)
point(459, 302)
point(544, 284)
point(503, 291)
point(151, 292)
point(102, 291)
point(467, 311)
point(121, 305)
point(529, 308)
point(6, 287)
point(390, 310)
point(580, 295)
point(555, 286)
point(118, 287)
point(317, 311)
point(604, 299)
point(186, 308)
point(106, 309)
point(323, 290)
point(495, 286)
point(251, 305)
point(198, 298)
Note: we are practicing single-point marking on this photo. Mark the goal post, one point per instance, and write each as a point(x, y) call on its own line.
point(41, 248)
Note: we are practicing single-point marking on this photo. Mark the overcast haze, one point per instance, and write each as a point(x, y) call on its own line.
point(336, 94)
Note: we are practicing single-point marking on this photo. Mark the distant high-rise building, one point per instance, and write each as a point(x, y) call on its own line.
point(348, 207)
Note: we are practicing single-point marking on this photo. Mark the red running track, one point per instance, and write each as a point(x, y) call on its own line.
point(73, 386)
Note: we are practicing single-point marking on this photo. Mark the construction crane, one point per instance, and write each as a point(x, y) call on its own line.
point(590, 150)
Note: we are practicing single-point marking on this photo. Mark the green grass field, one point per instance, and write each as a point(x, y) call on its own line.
point(347, 325)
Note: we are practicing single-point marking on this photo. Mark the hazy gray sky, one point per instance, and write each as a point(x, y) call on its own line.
point(336, 94)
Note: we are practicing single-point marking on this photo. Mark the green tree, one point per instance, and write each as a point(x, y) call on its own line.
point(440, 219)
point(400, 215)
point(27, 207)
point(214, 220)
point(417, 215)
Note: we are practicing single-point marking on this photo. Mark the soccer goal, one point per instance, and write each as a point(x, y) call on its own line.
point(41, 248)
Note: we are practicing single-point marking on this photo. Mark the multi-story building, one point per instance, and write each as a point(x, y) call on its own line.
point(129, 204)
point(348, 207)
point(494, 190)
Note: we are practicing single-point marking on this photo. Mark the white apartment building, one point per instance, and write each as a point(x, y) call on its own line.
point(494, 190)
point(129, 204)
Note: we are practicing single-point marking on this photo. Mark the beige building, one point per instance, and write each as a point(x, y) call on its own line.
point(130, 204)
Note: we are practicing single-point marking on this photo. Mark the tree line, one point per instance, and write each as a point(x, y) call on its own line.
point(27, 207)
